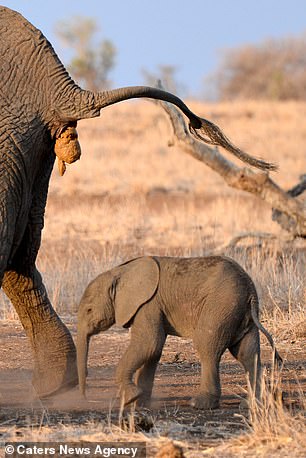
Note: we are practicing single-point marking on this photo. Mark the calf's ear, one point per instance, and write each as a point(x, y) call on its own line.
point(136, 283)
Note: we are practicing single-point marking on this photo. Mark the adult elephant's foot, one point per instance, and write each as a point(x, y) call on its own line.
point(54, 351)
point(205, 401)
point(55, 360)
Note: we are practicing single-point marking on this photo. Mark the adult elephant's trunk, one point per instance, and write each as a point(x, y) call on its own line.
point(82, 356)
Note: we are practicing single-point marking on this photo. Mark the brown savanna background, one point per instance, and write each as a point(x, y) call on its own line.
point(131, 194)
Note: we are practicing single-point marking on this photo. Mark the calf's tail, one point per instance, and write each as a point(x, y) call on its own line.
point(254, 313)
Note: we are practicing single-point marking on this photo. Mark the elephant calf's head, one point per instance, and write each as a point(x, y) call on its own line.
point(114, 296)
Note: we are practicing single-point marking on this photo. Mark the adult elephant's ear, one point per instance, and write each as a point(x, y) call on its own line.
point(136, 283)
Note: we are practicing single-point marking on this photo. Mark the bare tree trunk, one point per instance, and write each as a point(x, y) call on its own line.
point(288, 210)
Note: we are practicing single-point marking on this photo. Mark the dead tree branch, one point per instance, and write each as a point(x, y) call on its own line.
point(288, 211)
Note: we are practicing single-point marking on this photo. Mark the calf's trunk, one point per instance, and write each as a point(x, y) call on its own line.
point(82, 356)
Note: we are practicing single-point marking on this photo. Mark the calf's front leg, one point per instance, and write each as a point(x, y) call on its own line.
point(142, 356)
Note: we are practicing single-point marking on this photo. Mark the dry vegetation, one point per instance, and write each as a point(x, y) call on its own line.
point(272, 70)
point(131, 195)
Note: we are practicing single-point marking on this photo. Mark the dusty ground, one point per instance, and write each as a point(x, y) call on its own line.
point(176, 381)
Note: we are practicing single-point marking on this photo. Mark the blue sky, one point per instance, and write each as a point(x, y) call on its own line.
point(188, 34)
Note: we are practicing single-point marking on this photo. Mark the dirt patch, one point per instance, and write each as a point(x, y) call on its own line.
point(176, 382)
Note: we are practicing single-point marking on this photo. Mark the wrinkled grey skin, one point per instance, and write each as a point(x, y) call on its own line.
point(211, 300)
point(39, 101)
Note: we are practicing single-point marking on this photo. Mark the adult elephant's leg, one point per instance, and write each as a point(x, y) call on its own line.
point(54, 350)
point(53, 347)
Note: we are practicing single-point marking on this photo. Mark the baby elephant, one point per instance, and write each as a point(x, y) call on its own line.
point(211, 300)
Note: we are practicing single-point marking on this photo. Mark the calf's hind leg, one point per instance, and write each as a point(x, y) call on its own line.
point(210, 389)
point(247, 352)
point(210, 354)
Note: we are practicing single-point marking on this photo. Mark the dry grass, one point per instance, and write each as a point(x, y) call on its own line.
point(273, 430)
point(132, 195)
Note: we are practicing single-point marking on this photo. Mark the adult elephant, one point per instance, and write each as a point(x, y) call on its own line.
point(40, 105)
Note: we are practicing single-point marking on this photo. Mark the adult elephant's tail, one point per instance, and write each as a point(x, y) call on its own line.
point(200, 128)
point(210, 133)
